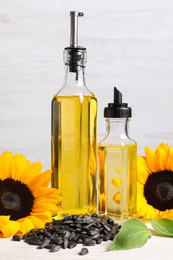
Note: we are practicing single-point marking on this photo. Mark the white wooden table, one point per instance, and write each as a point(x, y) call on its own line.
point(156, 248)
point(130, 45)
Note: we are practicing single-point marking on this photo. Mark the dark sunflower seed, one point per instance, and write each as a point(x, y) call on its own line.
point(96, 236)
point(93, 232)
point(66, 222)
point(41, 236)
point(73, 236)
point(107, 227)
point(74, 217)
point(47, 234)
point(33, 235)
point(66, 239)
point(84, 251)
point(50, 246)
point(79, 241)
point(88, 218)
point(45, 242)
point(40, 231)
point(16, 238)
point(34, 241)
point(95, 216)
point(72, 244)
point(58, 240)
point(54, 248)
point(25, 235)
point(70, 217)
point(107, 237)
point(54, 236)
point(89, 242)
point(78, 229)
point(99, 240)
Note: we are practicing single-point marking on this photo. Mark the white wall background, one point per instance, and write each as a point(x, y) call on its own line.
point(130, 45)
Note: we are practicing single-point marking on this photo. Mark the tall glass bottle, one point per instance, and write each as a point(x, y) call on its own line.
point(74, 130)
point(117, 163)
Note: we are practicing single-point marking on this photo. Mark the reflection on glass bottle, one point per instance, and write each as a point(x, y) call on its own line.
point(74, 130)
point(117, 163)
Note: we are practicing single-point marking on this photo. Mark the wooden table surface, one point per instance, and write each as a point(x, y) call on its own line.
point(156, 248)
point(129, 44)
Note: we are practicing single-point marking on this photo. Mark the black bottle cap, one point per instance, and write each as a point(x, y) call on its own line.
point(75, 56)
point(117, 109)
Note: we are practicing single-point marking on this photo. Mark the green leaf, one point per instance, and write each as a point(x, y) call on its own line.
point(164, 226)
point(132, 234)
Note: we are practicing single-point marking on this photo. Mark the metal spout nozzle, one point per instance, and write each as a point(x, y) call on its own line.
point(74, 27)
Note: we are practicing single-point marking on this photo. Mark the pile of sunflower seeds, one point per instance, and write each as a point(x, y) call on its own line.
point(72, 230)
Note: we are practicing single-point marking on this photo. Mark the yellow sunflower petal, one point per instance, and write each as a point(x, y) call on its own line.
point(19, 164)
point(170, 162)
point(116, 182)
point(141, 207)
point(116, 197)
point(4, 220)
point(8, 227)
point(151, 213)
point(166, 214)
point(141, 212)
point(165, 147)
point(47, 192)
point(145, 210)
point(42, 206)
point(48, 199)
point(142, 170)
point(45, 216)
point(170, 213)
point(56, 200)
point(5, 165)
point(32, 171)
point(43, 180)
point(151, 160)
point(162, 152)
point(38, 223)
point(25, 225)
point(140, 188)
point(141, 201)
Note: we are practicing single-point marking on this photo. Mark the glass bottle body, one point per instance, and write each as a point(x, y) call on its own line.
point(117, 171)
point(74, 130)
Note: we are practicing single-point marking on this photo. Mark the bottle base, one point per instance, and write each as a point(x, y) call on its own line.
point(118, 218)
point(61, 213)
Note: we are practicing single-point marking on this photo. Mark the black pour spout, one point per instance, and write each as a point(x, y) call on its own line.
point(117, 109)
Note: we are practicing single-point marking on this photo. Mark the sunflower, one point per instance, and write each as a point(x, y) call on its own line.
point(155, 183)
point(26, 201)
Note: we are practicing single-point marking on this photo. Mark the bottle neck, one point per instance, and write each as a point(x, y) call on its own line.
point(117, 127)
point(76, 77)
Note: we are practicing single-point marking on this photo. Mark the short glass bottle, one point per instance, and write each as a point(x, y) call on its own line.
point(117, 163)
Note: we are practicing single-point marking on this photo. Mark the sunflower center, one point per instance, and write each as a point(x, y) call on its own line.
point(10, 201)
point(165, 191)
point(158, 190)
point(16, 199)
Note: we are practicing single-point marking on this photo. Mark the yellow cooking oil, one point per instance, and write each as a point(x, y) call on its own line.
point(117, 180)
point(73, 140)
